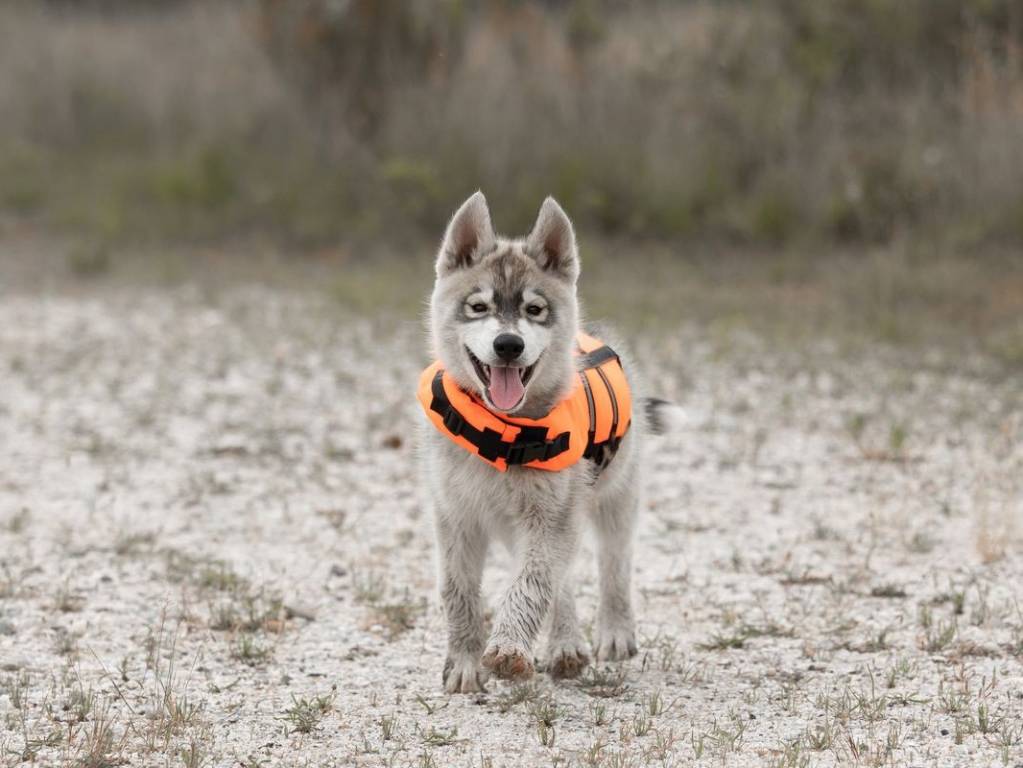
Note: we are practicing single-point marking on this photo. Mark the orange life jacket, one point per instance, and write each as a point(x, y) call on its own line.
point(589, 423)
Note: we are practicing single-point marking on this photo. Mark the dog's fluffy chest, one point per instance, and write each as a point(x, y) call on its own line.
point(478, 489)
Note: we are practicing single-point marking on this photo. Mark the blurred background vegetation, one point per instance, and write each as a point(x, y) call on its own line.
point(886, 134)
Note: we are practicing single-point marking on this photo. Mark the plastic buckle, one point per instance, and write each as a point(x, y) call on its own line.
point(556, 446)
point(453, 422)
point(533, 452)
point(516, 454)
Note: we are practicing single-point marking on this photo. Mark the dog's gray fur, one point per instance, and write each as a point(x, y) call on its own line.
point(537, 514)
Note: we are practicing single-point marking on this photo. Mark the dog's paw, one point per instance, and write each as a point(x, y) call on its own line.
point(508, 662)
point(616, 644)
point(567, 659)
point(463, 675)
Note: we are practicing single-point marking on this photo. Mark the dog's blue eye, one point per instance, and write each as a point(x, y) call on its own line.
point(478, 307)
point(533, 310)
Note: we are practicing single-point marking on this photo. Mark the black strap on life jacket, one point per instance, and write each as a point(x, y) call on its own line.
point(530, 444)
point(597, 357)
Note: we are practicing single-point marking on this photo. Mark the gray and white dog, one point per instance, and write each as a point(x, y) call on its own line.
point(503, 321)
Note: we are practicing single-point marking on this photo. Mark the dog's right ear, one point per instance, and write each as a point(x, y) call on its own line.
point(469, 235)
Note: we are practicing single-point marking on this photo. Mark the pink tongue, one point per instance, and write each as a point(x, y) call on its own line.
point(505, 387)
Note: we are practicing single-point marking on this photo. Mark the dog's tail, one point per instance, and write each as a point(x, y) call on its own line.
point(662, 416)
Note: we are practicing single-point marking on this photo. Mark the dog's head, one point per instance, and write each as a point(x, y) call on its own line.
point(504, 312)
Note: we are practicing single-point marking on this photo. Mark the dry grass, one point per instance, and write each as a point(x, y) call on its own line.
point(70, 73)
point(738, 122)
point(113, 131)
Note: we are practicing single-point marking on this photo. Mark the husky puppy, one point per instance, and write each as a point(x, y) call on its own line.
point(503, 321)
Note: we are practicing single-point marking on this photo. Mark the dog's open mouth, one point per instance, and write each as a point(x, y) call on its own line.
point(505, 385)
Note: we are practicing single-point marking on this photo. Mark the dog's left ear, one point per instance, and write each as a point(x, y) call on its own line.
point(552, 241)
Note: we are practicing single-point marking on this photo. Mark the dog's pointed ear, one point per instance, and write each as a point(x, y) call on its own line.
point(552, 241)
point(469, 235)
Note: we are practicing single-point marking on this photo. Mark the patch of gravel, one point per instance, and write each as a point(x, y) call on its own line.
point(213, 552)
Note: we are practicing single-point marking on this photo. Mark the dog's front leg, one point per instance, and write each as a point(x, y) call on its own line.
point(547, 544)
point(463, 547)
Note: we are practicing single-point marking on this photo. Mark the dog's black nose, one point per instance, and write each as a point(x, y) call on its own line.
point(508, 346)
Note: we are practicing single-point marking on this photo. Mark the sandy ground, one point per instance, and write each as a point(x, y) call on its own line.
point(212, 552)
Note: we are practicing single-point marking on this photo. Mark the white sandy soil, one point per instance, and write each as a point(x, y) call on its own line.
point(213, 552)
